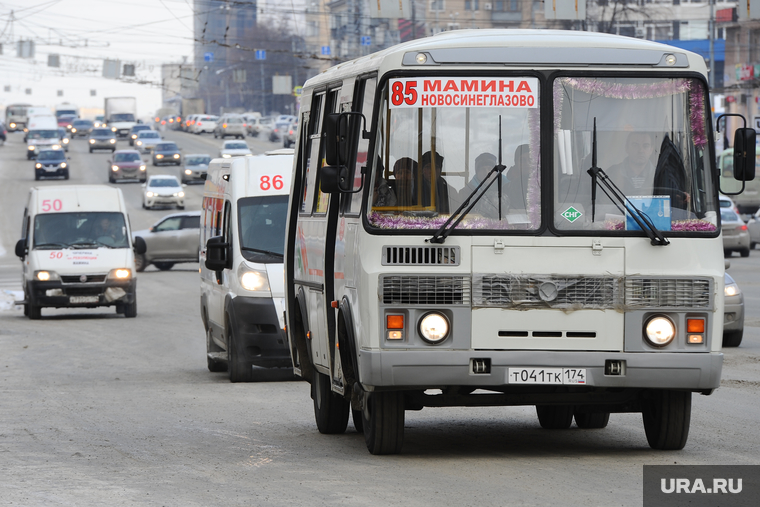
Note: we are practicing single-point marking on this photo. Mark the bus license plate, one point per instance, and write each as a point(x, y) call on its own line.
point(559, 376)
point(83, 299)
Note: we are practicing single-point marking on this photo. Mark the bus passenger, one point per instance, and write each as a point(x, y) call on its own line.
point(518, 176)
point(404, 172)
point(635, 174)
point(488, 205)
point(431, 174)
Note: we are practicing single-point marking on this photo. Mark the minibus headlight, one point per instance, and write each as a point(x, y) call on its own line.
point(254, 280)
point(30, 148)
point(434, 327)
point(120, 274)
point(114, 168)
point(142, 167)
point(659, 331)
point(13, 125)
point(46, 276)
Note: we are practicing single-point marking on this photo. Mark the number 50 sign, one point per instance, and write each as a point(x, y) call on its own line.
point(270, 183)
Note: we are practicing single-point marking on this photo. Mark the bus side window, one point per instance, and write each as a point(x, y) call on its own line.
point(363, 103)
point(312, 152)
point(227, 224)
point(331, 106)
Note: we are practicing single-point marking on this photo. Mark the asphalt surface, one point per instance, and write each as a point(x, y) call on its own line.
point(96, 409)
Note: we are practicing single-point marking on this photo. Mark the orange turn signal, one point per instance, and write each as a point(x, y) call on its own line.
point(394, 322)
point(695, 325)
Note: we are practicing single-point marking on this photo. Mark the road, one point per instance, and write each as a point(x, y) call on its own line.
point(100, 410)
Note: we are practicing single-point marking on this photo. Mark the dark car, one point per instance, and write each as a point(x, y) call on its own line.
point(51, 163)
point(81, 128)
point(102, 139)
point(173, 239)
point(126, 164)
point(133, 133)
point(166, 153)
point(3, 132)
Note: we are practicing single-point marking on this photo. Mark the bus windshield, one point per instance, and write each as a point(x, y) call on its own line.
point(262, 228)
point(80, 230)
point(42, 134)
point(125, 117)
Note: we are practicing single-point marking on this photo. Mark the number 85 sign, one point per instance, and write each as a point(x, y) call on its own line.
point(270, 183)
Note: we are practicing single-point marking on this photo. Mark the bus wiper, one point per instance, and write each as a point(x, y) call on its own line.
point(258, 250)
point(598, 176)
point(83, 244)
point(444, 230)
point(49, 245)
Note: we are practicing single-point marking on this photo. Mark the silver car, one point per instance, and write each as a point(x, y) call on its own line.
point(196, 168)
point(230, 125)
point(146, 140)
point(735, 233)
point(173, 239)
point(102, 139)
point(163, 190)
point(733, 313)
point(234, 149)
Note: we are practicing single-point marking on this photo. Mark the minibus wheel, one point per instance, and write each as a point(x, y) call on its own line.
point(130, 309)
point(594, 421)
point(555, 417)
point(240, 371)
point(383, 421)
point(732, 338)
point(35, 311)
point(330, 409)
point(667, 415)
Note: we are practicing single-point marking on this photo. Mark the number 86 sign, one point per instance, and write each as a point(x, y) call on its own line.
point(270, 183)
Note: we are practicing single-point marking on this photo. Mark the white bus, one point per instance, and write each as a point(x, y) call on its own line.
point(507, 217)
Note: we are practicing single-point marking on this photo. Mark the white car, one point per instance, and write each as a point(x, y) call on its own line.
point(163, 190)
point(146, 140)
point(204, 123)
point(234, 149)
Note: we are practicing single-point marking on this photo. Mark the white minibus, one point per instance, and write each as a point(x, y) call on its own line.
point(76, 250)
point(245, 203)
point(508, 217)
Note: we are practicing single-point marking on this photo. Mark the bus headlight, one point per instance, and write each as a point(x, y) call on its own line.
point(120, 274)
point(659, 331)
point(434, 327)
point(30, 148)
point(46, 276)
point(114, 168)
point(13, 125)
point(254, 280)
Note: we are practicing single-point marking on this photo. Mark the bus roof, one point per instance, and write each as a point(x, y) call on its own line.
point(75, 198)
point(520, 49)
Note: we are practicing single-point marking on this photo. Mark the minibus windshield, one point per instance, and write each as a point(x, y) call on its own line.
point(262, 228)
point(80, 230)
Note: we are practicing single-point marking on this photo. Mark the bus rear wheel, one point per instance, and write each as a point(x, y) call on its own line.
point(330, 409)
point(555, 417)
point(383, 422)
point(594, 421)
point(667, 415)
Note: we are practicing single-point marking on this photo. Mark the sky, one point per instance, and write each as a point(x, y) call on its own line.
point(146, 33)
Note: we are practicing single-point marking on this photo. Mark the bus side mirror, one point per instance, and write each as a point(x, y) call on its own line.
point(341, 133)
point(218, 256)
point(744, 154)
point(139, 245)
point(21, 248)
point(333, 179)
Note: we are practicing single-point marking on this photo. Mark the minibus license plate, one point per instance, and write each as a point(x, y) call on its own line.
point(571, 376)
point(83, 299)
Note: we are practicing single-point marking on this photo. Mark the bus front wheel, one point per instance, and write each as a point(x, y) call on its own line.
point(667, 415)
point(330, 409)
point(383, 421)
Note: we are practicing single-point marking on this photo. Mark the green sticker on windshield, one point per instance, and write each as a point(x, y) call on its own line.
point(571, 214)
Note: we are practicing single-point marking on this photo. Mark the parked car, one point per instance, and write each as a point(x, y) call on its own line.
point(735, 233)
point(733, 313)
point(234, 149)
point(65, 138)
point(102, 139)
point(290, 134)
point(81, 128)
point(204, 124)
point(196, 168)
point(166, 153)
point(51, 163)
point(134, 131)
point(163, 189)
point(230, 125)
point(173, 239)
point(146, 140)
point(126, 165)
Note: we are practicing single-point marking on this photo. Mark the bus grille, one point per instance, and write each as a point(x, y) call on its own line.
point(425, 290)
point(667, 293)
point(536, 291)
point(78, 279)
point(421, 255)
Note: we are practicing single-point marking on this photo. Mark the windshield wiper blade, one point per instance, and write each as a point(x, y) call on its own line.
point(259, 250)
point(50, 245)
point(598, 176)
point(444, 230)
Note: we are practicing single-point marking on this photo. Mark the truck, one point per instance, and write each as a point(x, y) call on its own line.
point(121, 114)
point(66, 109)
point(192, 106)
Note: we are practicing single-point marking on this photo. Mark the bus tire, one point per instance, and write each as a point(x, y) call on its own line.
point(330, 410)
point(383, 421)
point(744, 252)
point(594, 421)
point(555, 417)
point(35, 311)
point(130, 309)
point(239, 369)
point(356, 417)
point(732, 338)
point(667, 415)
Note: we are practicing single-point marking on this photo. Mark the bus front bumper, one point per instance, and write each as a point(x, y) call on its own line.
point(422, 369)
point(257, 329)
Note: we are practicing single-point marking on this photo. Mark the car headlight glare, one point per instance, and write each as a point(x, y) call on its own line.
point(63, 165)
point(142, 167)
point(731, 289)
point(38, 165)
point(30, 148)
point(159, 156)
point(188, 171)
point(66, 141)
point(139, 143)
point(73, 129)
point(114, 168)
point(113, 129)
point(176, 155)
point(112, 141)
point(434, 327)
point(659, 331)
point(226, 155)
point(120, 274)
point(254, 280)
point(92, 141)
point(181, 194)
